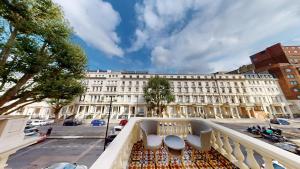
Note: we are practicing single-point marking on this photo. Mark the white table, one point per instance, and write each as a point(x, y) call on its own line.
point(175, 146)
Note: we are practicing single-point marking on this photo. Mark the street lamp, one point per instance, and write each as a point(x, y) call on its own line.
point(106, 132)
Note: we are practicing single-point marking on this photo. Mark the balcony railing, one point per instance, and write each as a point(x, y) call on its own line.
point(238, 148)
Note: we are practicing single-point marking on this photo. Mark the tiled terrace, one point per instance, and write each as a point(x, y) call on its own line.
point(213, 160)
point(230, 149)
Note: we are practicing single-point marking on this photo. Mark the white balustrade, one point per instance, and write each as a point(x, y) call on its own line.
point(251, 159)
point(220, 143)
point(268, 162)
point(239, 156)
point(228, 149)
point(117, 153)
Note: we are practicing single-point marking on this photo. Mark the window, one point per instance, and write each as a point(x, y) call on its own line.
point(293, 82)
point(208, 90)
point(290, 76)
point(288, 70)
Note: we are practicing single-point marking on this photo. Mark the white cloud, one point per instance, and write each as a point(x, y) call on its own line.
point(95, 22)
point(207, 36)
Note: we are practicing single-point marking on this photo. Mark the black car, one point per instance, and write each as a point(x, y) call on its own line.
point(70, 122)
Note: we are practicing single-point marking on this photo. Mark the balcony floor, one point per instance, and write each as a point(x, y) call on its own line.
point(214, 160)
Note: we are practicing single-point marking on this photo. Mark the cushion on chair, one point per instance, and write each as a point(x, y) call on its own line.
point(194, 141)
point(154, 141)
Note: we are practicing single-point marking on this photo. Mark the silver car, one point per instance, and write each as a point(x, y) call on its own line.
point(65, 165)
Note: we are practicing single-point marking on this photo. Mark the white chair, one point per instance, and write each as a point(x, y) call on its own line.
point(151, 140)
point(200, 137)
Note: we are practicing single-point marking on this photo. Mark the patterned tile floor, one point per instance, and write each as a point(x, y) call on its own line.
point(213, 161)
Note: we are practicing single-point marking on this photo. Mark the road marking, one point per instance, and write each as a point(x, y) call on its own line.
point(39, 146)
point(87, 150)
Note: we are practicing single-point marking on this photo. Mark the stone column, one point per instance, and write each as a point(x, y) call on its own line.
point(253, 111)
point(129, 111)
point(237, 112)
point(282, 109)
point(274, 112)
point(289, 111)
point(248, 112)
point(220, 112)
point(215, 112)
point(231, 112)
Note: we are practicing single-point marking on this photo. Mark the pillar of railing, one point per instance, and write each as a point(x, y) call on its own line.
point(228, 149)
point(251, 159)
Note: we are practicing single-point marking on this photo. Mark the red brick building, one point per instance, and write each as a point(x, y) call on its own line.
point(284, 63)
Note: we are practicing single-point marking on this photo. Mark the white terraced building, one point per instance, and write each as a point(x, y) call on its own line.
point(196, 95)
point(209, 95)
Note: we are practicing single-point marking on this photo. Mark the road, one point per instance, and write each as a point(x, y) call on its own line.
point(83, 151)
point(76, 130)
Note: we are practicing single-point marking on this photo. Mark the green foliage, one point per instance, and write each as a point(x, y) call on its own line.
point(37, 58)
point(89, 116)
point(158, 93)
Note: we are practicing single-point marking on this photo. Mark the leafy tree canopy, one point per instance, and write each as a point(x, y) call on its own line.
point(37, 58)
point(158, 93)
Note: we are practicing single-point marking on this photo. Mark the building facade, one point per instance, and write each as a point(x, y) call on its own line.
point(211, 95)
point(207, 96)
point(284, 63)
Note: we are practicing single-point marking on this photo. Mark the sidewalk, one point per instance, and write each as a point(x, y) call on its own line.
point(75, 137)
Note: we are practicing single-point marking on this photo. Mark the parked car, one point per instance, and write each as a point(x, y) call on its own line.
point(280, 121)
point(30, 130)
point(110, 138)
point(70, 122)
point(38, 122)
point(49, 121)
point(98, 122)
point(117, 129)
point(65, 165)
point(123, 122)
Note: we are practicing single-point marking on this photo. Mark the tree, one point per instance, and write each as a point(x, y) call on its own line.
point(157, 94)
point(64, 94)
point(35, 48)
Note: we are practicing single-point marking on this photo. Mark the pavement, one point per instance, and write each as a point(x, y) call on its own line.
point(81, 131)
point(75, 144)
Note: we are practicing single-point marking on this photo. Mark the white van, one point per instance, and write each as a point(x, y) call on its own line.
point(37, 122)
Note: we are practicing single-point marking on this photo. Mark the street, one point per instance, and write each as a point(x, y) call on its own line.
point(84, 150)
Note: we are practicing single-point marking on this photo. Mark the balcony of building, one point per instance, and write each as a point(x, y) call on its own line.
point(230, 149)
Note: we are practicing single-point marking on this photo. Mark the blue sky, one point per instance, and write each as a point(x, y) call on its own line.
point(190, 36)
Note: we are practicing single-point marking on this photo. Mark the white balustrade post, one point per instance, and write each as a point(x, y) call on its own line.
point(228, 149)
point(268, 162)
point(239, 156)
point(251, 161)
point(213, 139)
point(220, 143)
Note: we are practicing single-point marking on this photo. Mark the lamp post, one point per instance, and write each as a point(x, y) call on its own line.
point(106, 132)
